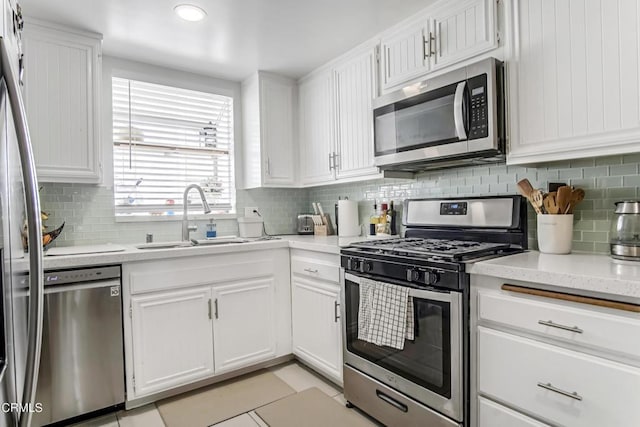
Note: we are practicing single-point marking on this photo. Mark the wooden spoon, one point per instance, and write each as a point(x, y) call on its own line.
point(577, 196)
point(537, 201)
point(550, 204)
point(525, 188)
point(563, 198)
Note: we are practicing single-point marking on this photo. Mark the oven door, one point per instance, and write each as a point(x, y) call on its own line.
point(429, 368)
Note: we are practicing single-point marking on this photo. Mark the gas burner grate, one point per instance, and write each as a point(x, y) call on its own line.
point(441, 248)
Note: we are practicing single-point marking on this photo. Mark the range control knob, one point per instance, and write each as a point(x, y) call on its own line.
point(353, 264)
point(366, 266)
point(431, 277)
point(413, 275)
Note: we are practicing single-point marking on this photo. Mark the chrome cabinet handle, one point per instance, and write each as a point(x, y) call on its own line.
point(563, 327)
point(548, 386)
point(215, 304)
point(268, 166)
point(336, 316)
point(425, 50)
point(308, 270)
point(458, 111)
point(432, 42)
point(209, 306)
point(32, 202)
point(330, 161)
point(336, 164)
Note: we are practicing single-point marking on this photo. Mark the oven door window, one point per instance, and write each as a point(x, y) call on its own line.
point(420, 121)
point(426, 360)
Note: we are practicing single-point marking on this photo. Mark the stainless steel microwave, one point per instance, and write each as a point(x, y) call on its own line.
point(453, 119)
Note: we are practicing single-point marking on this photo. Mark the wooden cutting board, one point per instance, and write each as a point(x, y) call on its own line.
point(84, 249)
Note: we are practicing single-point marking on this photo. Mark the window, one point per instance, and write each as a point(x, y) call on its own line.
point(165, 138)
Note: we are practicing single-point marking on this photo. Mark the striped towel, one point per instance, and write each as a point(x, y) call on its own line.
point(385, 314)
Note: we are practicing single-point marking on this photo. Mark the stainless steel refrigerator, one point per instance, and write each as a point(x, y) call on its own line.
point(21, 278)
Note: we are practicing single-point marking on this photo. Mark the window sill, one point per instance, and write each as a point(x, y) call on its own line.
point(173, 218)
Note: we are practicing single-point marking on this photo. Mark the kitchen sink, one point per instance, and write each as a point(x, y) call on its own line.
point(219, 241)
point(164, 245)
point(202, 242)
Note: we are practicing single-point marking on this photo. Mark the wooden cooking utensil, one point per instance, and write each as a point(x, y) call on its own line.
point(550, 203)
point(537, 201)
point(577, 196)
point(525, 188)
point(563, 198)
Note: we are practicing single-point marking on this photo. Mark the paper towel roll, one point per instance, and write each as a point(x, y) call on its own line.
point(348, 220)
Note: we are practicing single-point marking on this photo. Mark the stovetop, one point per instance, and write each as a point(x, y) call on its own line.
point(435, 249)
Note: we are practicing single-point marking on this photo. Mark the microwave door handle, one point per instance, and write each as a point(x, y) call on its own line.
point(458, 111)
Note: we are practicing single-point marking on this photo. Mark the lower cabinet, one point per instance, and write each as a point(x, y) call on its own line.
point(172, 338)
point(243, 325)
point(316, 325)
point(193, 318)
point(315, 311)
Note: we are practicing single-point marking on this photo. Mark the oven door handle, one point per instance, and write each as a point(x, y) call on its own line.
point(415, 293)
point(458, 111)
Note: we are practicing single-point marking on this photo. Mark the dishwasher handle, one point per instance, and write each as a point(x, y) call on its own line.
point(56, 289)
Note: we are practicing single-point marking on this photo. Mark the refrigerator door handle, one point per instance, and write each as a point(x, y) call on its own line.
point(36, 274)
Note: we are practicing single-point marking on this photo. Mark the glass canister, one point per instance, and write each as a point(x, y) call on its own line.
point(624, 234)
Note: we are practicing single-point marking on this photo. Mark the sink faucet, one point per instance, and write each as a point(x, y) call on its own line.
point(186, 228)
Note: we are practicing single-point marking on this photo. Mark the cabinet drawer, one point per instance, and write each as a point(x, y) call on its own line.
point(591, 326)
point(541, 379)
point(312, 268)
point(491, 414)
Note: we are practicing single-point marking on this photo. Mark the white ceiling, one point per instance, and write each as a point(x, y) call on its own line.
point(290, 37)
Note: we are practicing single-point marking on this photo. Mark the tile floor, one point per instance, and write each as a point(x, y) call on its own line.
point(294, 374)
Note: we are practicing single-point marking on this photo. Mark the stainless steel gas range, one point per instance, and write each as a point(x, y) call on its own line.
point(427, 381)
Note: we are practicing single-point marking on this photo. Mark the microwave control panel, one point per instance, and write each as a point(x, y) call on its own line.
point(479, 123)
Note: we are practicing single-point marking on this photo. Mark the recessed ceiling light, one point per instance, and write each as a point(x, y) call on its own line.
point(189, 12)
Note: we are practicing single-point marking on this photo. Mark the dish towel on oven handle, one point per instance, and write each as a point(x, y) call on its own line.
point(385, 314)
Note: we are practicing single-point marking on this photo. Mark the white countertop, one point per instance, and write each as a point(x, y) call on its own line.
point(598, 274)
point(327, 244)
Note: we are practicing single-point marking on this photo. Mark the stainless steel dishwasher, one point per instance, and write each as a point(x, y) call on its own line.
point(82, 363)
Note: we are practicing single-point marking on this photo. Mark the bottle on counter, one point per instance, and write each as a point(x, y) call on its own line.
point(373, 220)
point(212, 230)
point(392, 219)
point(383, 222)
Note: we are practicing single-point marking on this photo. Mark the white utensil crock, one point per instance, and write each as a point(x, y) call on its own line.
point(555, 233)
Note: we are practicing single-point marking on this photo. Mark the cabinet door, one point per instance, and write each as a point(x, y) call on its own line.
point(172, 340)
point(574, 87)
point(405, 54)
point(277, 116)
point(62, 83)
point(355, 81)
point(462, 30)
point(317, 138)
point(316, 325)
point(244, 323)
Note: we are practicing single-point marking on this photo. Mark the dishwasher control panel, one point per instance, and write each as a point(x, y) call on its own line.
point(90, 274)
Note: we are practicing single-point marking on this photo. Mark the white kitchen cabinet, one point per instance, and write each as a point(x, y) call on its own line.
point(172, 339)
point(62, 97)
point(336, 120)
point(355, 82)
point(315, 301)
point(268, 118)
point(446, 33)
point(187, 312)
point(405, 53)
point(316, 121)
point(462, 29)
point(539, 360)
point(573, 79)
point(244, 323)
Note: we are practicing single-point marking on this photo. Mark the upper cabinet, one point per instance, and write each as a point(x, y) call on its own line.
point(317, 139)
point(573, 79)
point(62, 98)
point(268, 116)
point(448, 33)
point(336, 120)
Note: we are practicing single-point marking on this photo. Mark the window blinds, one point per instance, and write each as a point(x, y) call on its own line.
point(165, 138)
